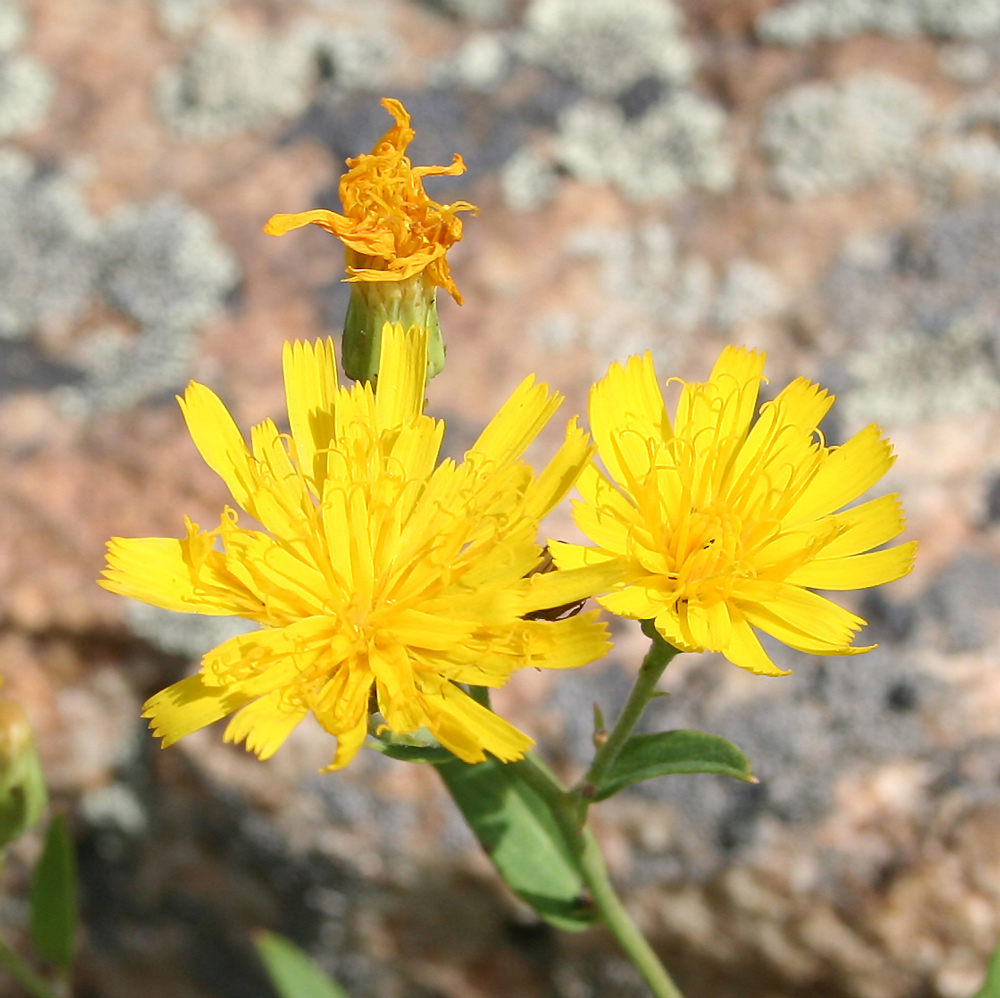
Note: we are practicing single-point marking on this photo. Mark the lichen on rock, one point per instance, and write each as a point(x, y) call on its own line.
point(232, 81)
point(608, 47)
point(678, 144)
point(804, 21)
point(828, 137)
point(48, 236)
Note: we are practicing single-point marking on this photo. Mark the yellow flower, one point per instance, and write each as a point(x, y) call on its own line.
point(397, 239)
point(381, 579)
point(717, 525)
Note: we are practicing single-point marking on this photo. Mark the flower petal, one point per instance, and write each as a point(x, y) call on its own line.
point(848, 472)
point(746, 651)
point(402, 376)
point(627, 418)
point(187, 706)
point(310, 372)
point(161, 571)
point(264, 724)
point(560, 474)
point(858, 571)
point(470, 730)
point(218, 440)
point(516, 425)
point(806, 621)
point(864, 527)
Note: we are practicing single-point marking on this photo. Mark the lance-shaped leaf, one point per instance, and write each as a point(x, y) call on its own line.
point(293, 973)
point(52, 898)
point(522, 837)
point(991, 986)
point(667, 753)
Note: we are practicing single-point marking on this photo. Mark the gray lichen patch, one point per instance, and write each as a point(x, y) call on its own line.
point(528, 180)
point(13, 25)
point(26, 86)
point(177, 17)
point(26, 92)
point(804, 21)
point(654, 295)
point(163, 264)
point(350, 59)
point(163, 267)
point(606, 48)
point(48, 236)
point(480, 64)
point(677, 145)
point(474, 11)
point(749, 292)
point(921, 321)
point(909, 374)
point(124, 370)
point(233, 80)
point(828, 137)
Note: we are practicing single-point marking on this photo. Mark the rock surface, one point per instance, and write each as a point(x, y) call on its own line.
point(741, 176)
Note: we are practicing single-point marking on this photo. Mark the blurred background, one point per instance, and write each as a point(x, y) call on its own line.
point(818, 178)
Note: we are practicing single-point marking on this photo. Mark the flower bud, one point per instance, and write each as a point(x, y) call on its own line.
point(23, 795)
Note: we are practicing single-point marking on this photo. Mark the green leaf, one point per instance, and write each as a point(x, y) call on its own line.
point(293, 973)
point(23, 797)
point(520, 835)
point(991, 986)
point(669, 752)
point(52, 897)
point(433, 754)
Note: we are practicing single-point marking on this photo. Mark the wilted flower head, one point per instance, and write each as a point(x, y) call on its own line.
point(716, 525)
point(381, 579)
point(397, 239)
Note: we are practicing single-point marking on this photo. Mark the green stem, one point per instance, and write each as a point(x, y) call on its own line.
point(23, 974)
point(657, 659)
point(595, 875)
point(619, 922)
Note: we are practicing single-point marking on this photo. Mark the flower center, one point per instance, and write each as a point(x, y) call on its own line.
point(706, 550)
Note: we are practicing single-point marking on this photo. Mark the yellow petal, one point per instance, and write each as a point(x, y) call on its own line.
point(746, 651)
point(806, 621)
point(402, 376)
point(717, 625)
point(218, 440)
point(310, 372)
point(516, 425)
point(551, 589)
point(848, 472)
point(564, 644)
point(803, 403)
point(187, 706)
point(637, 602)
point(864, 527)
point(278, 225)
point(264, 724)
point(628, 417)
point(859, 571)
point(727, 401)
point(429, 631)
point(271, 658)
point(158, 570)
point(349, 740)
point(469, 730)
point(560, 474)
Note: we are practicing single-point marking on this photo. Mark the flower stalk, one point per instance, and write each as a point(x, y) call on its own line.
point(562, 804)
point(658, 657)
point(35, 985)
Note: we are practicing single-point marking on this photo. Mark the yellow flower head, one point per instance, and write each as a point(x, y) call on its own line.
point(381, 579)
point(718, 524)
point(392, 230)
